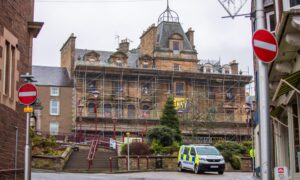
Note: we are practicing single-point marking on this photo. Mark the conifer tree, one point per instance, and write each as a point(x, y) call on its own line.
point(169, 118)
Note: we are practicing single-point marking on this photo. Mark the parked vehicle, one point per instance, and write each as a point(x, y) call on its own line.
point(200, 158)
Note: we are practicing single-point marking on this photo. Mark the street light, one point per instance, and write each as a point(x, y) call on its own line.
point(95, 94)
point(248, 110)
point(80, 108)
point(128, 162)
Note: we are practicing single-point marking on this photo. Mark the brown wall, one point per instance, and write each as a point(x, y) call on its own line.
point(65, 116)
point(148, 41)
point(68, 54)
point(14, 16)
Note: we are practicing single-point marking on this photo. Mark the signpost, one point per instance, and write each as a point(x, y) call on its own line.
point(264, 45)
point(27, 95)
point(265, 48)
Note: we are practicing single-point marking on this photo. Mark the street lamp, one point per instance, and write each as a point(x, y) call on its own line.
point(128, 162)
point(248, 110)
point(95, 94)
point(114, 122)
point(80, 108)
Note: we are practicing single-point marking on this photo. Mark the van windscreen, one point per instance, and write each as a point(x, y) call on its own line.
point(207, 151)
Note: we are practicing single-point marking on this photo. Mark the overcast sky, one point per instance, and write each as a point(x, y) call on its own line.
point(96, 23)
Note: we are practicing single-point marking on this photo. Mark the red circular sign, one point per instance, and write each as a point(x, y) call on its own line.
point(27, 94)
point(264, 45)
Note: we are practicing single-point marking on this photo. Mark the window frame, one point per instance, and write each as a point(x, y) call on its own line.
point(57, 128)
point(51, 108)
point(179, 93)
point(268, 21)
point(177, 67)
point(53, 92)
point(287, 5)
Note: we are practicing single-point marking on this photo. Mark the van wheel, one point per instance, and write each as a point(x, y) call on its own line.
point(196, 169)
point(221, 172)
point(180, 169)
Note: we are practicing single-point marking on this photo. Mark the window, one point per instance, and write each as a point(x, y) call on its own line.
point(145, 64)
point(107, 110)
point(119, 111)
point(294, 3)
point(268, 2)
point(175, 45)
point(119, 62)
point(211, 93)
point(54, 107)
point(186, 150)
point(146, 111)
point(91, 108)
point(287, 4)
point(7, 68)
point(271, 21)
point(179, 89)
point(229, 114)
point(176, 67)
point(91, 86)
point(117, 88)
point(54, 91)
point(229, 94)
point(193, 152)
point(131, 111)
point(54, 127)
point(146, 89)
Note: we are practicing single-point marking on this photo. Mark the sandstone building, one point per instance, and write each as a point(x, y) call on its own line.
point(125, 90)
point(16, 32)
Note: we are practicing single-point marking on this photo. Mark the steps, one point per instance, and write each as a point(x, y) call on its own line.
point(78, 161)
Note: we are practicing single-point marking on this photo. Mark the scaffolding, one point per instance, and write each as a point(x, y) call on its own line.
point(132, 100)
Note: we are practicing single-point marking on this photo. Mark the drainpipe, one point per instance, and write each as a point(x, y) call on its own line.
point(16, 151)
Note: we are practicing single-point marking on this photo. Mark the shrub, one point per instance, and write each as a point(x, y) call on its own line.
point(235, 162)
point(164, 135)
point(136, 148)
point(157, 148)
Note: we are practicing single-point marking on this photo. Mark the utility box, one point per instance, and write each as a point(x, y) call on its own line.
point(281, 173)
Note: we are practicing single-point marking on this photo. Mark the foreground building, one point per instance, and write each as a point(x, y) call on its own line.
point(125, 90)
point(282, 18)
point(16, 32)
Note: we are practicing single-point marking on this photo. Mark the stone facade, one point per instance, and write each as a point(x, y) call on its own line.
point(16, 32)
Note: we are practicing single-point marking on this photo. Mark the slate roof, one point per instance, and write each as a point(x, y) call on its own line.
point(165, 30)
point(52, 76)
point(133, 56)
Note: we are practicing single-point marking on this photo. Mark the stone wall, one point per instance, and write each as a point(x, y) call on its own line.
point(142, 163)
point(56, 163)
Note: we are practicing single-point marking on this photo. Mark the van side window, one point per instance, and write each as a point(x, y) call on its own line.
point(193, 152)
point(186, 150)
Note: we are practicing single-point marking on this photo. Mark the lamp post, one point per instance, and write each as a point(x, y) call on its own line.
point(128, 162)
point(114, 122)
point(247, 108)
point(80, 108)
point(95, 94)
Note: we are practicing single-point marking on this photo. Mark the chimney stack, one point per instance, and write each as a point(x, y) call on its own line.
point(190, 36)
point(234, 67)
point(124, 46)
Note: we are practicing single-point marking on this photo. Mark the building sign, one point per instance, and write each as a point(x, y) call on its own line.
point(281, 173)
point(112, 143)
point(181, 104)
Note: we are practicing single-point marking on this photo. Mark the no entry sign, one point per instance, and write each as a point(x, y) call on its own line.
point(27, 94)
point(264, 45)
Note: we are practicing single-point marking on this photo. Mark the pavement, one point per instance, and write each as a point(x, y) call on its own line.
point(142, 176)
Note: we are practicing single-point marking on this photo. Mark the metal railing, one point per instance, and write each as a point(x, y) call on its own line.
point(92, 151)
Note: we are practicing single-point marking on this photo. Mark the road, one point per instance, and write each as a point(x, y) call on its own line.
point(143, 176)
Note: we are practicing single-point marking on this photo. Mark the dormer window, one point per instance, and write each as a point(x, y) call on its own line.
point(145, 64)
point(175, 45)
point(119, 62)
point(208, 68)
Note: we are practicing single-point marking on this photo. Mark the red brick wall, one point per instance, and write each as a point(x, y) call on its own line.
point(14, 16)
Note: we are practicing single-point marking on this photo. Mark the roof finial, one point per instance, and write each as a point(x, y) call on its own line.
point(168, 4)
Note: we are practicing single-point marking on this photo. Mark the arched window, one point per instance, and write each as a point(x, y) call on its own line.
point(146, 111)
point(131, 111)
point(107, 110)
